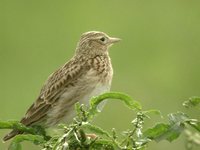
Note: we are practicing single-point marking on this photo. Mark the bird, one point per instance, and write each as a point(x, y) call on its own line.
point(88, 73)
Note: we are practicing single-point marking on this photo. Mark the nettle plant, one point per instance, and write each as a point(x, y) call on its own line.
point(82, 134)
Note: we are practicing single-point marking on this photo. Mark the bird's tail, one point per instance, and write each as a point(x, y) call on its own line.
point(11, 134)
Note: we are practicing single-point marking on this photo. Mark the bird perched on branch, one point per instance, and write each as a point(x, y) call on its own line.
point(88, 73)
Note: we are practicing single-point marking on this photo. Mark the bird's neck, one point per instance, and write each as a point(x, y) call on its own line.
point(91, 55)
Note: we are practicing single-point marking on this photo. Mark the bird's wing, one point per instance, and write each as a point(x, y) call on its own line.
point(53, 89)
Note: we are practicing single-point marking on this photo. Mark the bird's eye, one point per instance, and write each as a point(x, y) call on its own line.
point(102, 39)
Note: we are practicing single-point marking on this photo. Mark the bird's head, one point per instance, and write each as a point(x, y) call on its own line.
point(95, 43)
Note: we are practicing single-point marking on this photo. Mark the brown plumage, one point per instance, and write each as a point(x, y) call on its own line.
point(88, 73)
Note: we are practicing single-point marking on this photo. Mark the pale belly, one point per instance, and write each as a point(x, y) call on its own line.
point(64, 111)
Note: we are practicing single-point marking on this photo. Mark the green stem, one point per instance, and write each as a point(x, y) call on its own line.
point(130, 103)
point(16, 126)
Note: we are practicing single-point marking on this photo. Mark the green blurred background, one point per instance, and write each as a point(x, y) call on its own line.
point(157, 62)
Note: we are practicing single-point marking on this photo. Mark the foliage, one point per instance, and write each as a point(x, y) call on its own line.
point(75, 135)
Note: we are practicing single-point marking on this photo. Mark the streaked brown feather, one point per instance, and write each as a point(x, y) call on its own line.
point(53, 89)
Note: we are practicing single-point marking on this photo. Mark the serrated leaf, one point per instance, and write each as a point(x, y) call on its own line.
point(163, 131)
point(157, 131)
point(174, 132)
point(192, 102)
point(178, 117)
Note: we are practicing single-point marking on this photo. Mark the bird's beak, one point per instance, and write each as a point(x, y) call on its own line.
point(114, 40)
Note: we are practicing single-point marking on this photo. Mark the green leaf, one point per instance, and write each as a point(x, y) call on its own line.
point(163, 132)
point(7, 124)
point(169, 131)
point(130, 103)
point(192, 102)
point(157, 131)
point(16, 125)
point(95, 129)
point(174, 132)
point(15, 144)
point(102, 144)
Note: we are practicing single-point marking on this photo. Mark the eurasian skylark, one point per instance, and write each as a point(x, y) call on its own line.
point(88, 73)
